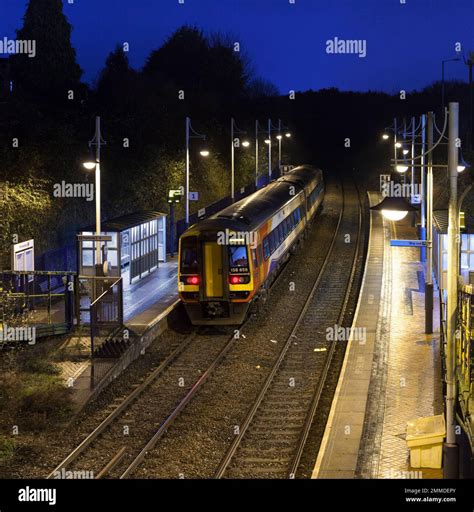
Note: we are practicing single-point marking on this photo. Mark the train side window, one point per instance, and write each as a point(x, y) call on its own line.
point(255, 258)
point(281, 233)
point(271, 239)
point(266, 248)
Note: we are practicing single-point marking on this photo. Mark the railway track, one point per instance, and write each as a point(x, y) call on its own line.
point(176, 379)
point(85, 455)
point(273, 434)
point(154, 406)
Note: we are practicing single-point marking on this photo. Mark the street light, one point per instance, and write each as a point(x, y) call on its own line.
point(401, 168)
point(233, 144)
point(191, 134)
point(385, 136)
point(288, 135)
point(97, 141)
point(394, 208)
point(462, 164)
point(89, 165)
point(245, 143)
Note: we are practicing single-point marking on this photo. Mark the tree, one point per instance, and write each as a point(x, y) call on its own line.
point(116, 83)
point(53, 70)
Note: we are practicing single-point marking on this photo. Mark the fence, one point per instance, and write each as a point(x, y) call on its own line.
point(105, 308)
point(40, 299)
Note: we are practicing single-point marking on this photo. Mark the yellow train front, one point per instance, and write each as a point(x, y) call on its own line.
point(228, 261)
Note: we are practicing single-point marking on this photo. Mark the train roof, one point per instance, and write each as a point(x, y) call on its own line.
point(253, 210)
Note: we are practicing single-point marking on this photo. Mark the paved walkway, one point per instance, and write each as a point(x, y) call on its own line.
point(392, 376)
point(146, 298)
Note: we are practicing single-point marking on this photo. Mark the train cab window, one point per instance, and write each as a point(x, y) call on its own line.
point(189, 255)
point(238, 259)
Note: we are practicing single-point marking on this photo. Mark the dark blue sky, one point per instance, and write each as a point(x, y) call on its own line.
point(287, 43)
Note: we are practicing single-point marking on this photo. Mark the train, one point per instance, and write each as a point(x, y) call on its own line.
point(228, 261)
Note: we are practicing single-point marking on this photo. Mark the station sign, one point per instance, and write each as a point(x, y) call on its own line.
point(23, 256)
point(408, 243)
point(174, 196)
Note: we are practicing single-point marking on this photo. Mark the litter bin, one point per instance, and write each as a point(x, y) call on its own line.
point(425, 440)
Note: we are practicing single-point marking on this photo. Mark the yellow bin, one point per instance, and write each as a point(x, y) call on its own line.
point(425, 439)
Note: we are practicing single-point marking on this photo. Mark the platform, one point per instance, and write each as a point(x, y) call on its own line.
point(390, 377)
point(145, 300)
point(146, 305)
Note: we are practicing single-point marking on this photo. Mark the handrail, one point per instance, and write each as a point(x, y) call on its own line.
point(106, 291)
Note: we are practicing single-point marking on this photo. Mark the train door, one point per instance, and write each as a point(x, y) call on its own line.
point(213, 268)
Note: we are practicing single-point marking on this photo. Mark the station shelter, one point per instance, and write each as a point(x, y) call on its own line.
point(136, 247)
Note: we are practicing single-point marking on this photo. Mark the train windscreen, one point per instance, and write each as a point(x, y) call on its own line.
point(189, 255)
point(238, 259)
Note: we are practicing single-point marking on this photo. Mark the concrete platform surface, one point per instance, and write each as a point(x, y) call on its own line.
point(392, 376)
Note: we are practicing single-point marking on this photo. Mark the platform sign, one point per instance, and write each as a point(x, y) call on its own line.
point(416, 199)
point(23, 257)
point(194, 196)
point(408, 243)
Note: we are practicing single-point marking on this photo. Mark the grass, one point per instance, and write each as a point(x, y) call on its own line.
point(7, 448)
point(32, 395)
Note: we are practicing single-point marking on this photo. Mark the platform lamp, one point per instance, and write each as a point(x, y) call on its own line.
point(90, 165)
point(394, 208)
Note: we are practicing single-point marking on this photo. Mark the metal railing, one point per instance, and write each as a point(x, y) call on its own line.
point(43, 299)
point(106, 311)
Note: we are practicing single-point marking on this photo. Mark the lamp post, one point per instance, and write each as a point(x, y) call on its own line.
point(234, 130)
point(451, 449)
point(269, 150)
point(455, 59)
point(97, 141)
point(280, 138)
point(191, 134)
point(256, 153)
point(429, 229)
point(470, 63)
